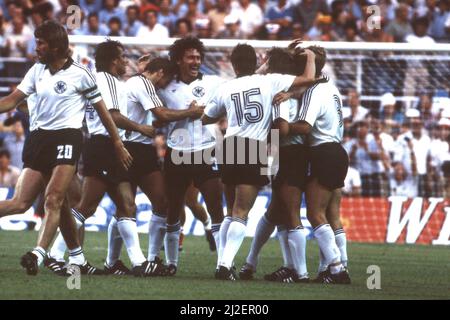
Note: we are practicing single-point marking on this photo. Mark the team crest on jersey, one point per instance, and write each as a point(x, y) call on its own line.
point(60, 87)
point(198, 92)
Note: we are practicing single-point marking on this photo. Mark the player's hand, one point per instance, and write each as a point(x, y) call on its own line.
point(281, 97)
point(159, 123)
point(124, 156)
point(148, 131)
point(294, 43)
point(196, 111)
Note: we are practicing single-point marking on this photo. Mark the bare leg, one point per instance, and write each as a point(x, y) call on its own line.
point(212, 191)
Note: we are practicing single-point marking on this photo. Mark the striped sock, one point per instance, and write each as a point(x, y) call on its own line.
point(341, 242)
point(171, 243)
point(327, 243)
point(79, 218)
point(76, 256)
point(40, 253)
point(128, 232)
point(297, 247)
point(235, 236)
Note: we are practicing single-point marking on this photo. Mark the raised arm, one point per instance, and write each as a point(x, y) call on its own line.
point(11, 101)
point(309, 75)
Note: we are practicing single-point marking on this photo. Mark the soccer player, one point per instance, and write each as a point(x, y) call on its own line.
point(103, 173)
point(60, 88)
point(321, 119)
point(247, 102)
point(287, 187)
point(189, 158)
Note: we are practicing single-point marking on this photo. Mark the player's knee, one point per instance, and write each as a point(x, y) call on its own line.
point(54, 201)
point(21, 206)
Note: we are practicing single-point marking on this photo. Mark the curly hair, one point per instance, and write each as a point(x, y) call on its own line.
point(280, 61)
point(321, 58)
point(105, 53)
point(179, 47)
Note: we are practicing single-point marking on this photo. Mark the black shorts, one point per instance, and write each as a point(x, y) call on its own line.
point(199, 167)
point(99, 159)
point(46, 149)
point(293, 168)
point(249, 163)
point(329, 164)
point(145, 160)
point(446, 168)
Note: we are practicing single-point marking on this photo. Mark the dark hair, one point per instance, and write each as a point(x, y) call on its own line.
point(243, 59)
point(55, 35)
point(43, 9)
point(183, 20)
point(105, 53)
point(115, 20)
point(321, 57)
point(93, 14)
point(177, 49)
point(280, 61)
point(5, 153)
point(168, 67)
point(133, 7)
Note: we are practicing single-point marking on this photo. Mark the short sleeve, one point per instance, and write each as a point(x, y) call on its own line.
point(108, 89)
point(282, 111)
point(280, 82)
point(215, 108)
point(310, 106)
point(88, 87)
point(145, 94)
point(28, 84)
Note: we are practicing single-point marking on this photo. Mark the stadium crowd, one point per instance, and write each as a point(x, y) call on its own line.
point(394, 150)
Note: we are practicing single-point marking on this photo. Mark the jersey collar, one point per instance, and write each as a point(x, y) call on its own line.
point(65, 66)
point(199, 77)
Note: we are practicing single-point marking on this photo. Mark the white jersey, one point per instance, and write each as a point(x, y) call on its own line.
point(114, 95)
point(247, 101)
point(289, 111)
point(58, 100)
point(322, 109)
point(190, 135)
point(142, 98)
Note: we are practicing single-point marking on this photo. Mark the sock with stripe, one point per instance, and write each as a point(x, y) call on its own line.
point(341, 242)
point(156, 233)
point(263, 231)
point(282, 235)
point(40, 253)
point(327, 244)
point(76, 256)
point(128, 231)
point(59, 247)
point(215, 230)
point(223, 237)
point(207, 224)
point(297, 247)
point(115, 243)
point(235, 236)
point(171, 243)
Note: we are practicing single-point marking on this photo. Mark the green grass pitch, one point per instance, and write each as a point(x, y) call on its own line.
point(407, 272)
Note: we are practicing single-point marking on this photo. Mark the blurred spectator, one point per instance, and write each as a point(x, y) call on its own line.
point(14, 142)
point(307, 11)
point(281, 14)
point(440, 155)
point(132, 23)
point(402, 182)
point(250, 16)
point(111, 9)
point(3, 51)
point(367, 156)
point(232, 29)
point(438, 16)
point(400, 27)
point(193, 14)
point(322, 29)
point(217, 16)
point(115, 27)
point(377, 35)
point(388, 145)
point(355, 112)
point(166, 17)
point(416, 140)
point(151, 28)
point(94, 27)
point(203, 28)
point(8, 173)
point(17, 35)
point(391, 117)
point(183, 28)
point(419, 36)
point(298, 32)
point(352, 183)
point(89, 6)
point(351, 32)
point(429, 115)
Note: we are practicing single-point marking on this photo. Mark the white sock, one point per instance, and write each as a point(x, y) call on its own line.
point(297, 246)
point(235, 236)
point(322, 263)
point(282, 235)
point(263, 231)
point(215, 230)
point(59, 247)
point(40, 253)
point(223, 237)
point(327, 243)
point(171, 243)
point(114, 243)
point(128, 231)
point(76, 256)
point(207, 224)
point(341, 242)
point(156, 233)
